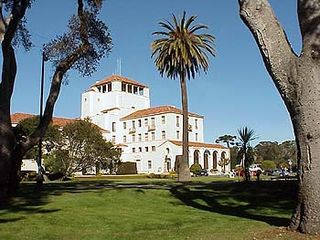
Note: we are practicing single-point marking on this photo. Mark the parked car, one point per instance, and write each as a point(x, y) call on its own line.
point(204, 172)
point(280, 173)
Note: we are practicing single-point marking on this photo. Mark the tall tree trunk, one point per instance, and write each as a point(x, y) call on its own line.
point(184, 171)
point(297, 79)
point(7, 142)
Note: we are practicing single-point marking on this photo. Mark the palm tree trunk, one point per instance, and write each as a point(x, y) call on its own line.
point(184, 171)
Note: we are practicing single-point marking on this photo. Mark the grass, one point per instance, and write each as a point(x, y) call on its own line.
point(150, 209)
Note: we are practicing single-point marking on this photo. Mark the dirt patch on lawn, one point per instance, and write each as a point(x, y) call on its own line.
point(282, 233)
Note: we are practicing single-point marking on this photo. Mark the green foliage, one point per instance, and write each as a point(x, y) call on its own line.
point(268, 165)
point(227, 139)
point(127, 168)
point(267, 150)
point(246, 135)
point(195, 168)
point(81, 146)
point(28, 125)
point(180, 52)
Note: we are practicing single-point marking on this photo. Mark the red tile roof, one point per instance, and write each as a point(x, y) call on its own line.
point(156, 111)
point(58, 121)
point(199, 144)
point(113, 78)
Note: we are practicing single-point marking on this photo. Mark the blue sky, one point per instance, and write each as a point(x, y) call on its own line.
point(237, 91)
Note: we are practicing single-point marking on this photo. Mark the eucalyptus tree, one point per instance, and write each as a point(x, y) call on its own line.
point(86, 41)
point(296, 75)
point(180, 52)
point(246, 135)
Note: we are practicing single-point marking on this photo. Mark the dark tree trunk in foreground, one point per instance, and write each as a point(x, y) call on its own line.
point(297, 78)
point(12, 146)
point(8, 141)
point(184, 171)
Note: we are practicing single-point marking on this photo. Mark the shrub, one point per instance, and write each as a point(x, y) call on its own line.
point(195, 168)
point(268, 165)
point(127, 168)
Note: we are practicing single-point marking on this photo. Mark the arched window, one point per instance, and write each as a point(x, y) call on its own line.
point(215, 160)
point(196, 156)
point(206, 159)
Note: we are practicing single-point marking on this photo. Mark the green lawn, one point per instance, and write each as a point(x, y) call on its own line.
point(149, 209)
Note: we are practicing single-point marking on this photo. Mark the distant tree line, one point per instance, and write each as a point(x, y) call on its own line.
point(279, 153)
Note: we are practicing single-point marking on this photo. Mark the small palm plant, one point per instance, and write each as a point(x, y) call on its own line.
point(246, 135)
point(181, 53)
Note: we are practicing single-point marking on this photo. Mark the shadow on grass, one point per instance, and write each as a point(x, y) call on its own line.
point(266, 201)
point(260, 201)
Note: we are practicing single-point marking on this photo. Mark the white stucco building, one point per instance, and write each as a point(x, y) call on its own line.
point(149, 136)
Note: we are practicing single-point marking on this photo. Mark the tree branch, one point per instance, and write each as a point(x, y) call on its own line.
point(61, 69)
point(309, 19)
point(278, 56)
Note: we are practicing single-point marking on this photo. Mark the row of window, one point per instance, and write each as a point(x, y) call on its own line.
point(146, 137)
point(105, 88)
point(153, 122)
point(131, 89)
point(153, 137)
point(146, 149)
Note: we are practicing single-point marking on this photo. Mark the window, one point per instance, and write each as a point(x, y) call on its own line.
point(147, 149)
point(139, 123)
point(104, 88)
point(163, 119)
point(140, 149)
point(113, 127)
point(124, 125)
point(133, 124)
point(153, 136)
point(113, 139)
point(133, 150)
point(177, 121)
point(149, 164)
point(196, 123)
point(139, 137)
point(153, 121)
point(124, 138)
point(196, 137)
point(153, 148)
point(123, 87)
point(99, 88)
point(178, 134)
point(129, 88)
point(135, 90)
point(146, 122)
point(163, 134)
point(133, 137)
point(146, 136)
point(140, 91)
point(109, 87)
point(98, 99)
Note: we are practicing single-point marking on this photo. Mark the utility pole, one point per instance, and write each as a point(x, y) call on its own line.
point(39, 162)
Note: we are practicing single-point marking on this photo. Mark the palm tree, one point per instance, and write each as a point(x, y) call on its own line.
point(246, 135)
point(181, 53)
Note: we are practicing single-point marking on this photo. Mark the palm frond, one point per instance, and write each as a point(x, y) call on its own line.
point(181, 51)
